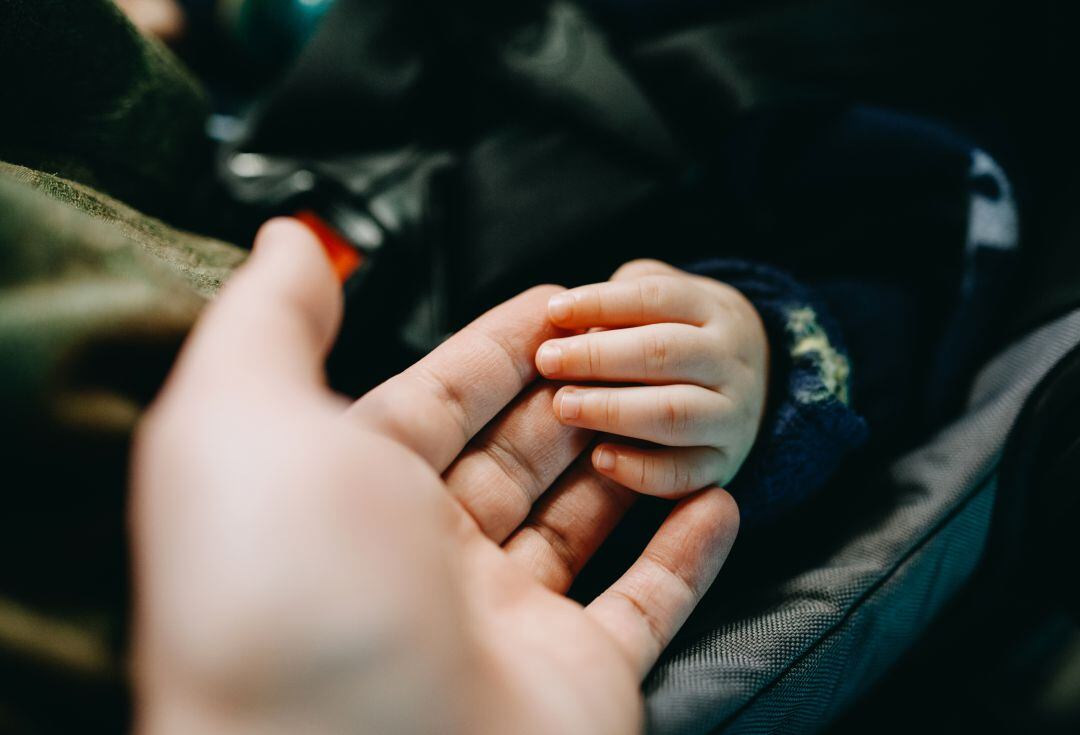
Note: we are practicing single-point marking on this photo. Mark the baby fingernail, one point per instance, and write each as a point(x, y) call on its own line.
point(569, 406)
point(550, 359)
point(560, 307)
point(605, 459)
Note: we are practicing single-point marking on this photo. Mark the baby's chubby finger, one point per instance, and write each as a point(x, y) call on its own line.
point(647, 300)
point(663, 471)
point(654, 354)
point(673, 415)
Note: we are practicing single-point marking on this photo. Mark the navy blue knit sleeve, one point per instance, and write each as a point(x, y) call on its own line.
point(809, 423)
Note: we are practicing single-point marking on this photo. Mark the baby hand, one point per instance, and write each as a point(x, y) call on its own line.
point(695, 354)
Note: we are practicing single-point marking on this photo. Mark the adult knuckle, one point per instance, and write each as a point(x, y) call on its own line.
point(564, 552)
point(679, 574)
point(448, 397)
point(657, 630)
point(523, 475)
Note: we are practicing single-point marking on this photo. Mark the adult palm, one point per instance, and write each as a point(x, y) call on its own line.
point(394, 565)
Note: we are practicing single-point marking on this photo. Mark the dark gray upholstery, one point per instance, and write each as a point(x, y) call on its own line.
point(792, 653)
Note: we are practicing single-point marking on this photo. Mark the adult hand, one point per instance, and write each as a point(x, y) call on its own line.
point(304, 564)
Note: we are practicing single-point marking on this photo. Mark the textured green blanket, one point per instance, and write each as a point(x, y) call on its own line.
point(95, 298)
point(94, 301)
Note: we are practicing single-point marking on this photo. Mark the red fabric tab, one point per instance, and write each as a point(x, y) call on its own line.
point(344, 258)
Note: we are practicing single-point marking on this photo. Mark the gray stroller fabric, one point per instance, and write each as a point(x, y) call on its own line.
point(792, 657)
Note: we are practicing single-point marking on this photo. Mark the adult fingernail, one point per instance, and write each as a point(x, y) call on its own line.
point(569, 406)
point(605, 459)
point(560, 307)
point(550, 359)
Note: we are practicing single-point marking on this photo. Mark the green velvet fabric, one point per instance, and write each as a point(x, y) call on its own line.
point(95, 299)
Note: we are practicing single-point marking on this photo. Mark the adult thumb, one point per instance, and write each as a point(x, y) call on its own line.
point(277, 316)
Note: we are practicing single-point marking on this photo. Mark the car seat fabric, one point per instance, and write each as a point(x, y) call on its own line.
point(820, 638)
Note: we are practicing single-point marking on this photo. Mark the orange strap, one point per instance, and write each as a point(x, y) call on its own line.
point(343, 257)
